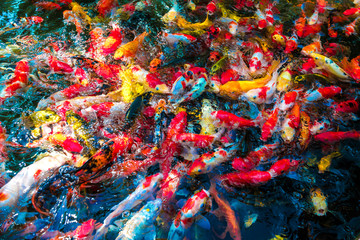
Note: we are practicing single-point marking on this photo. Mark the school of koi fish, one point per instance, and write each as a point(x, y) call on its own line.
point(182, 119)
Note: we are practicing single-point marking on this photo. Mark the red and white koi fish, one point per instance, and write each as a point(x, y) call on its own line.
point(288, 100)
point(107, 111)
point(142, 192)
point(255, 177)
point(24, 181)
point(169, 148)
point(262, 23)
point(260, 154)
point(319, 127)
point(269, 15)
point(184, 219)
point(58, 66)
point(291, 44)
point(322, 93)
point(268, 127)
point(208, 161)
point(229, 120)
point(350, 28)
point(257, 61)
point(70, 92)
point(18, 82)
point(171, 183)
point(263, 94)
point(195, 140)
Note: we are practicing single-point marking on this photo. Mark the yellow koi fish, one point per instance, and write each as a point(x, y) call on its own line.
point(130, 49)
point(234, 89)
point(325, 162)
point(329, 65)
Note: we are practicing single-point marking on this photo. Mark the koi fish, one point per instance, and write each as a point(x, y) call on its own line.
point(350, 106)
point(257, 61)
point(78, 10)
point(319, 127)
point(66, 142)
point(81, 130)
point(130, 49)
point(314, 47)
point(325, 161)
point(318, 201)
point(47, 5)
point(142, 223)
point(284, 81)
point(171, 183)
point(208, 161)
point(260, 154)
point(142, 192)
point(206, 120)
point(225, 211)
point(322, 93)
point(105, 6)
point(291, 44)
point(225, 119)
point(241, 179)
point(263, 94)
point(59, 67)
point(135, 109)
point(24, 180)
point(290, 124)
point(288, 100)
point(234, 89)
point(113, 41)
point(350, 28)
point(329, 65)
point(18, 82)
point(268, 127)
point(255, 177)
point(304, 130)
point(42, 117)
point(333, 137)
point(195, 140)
point(186, 216)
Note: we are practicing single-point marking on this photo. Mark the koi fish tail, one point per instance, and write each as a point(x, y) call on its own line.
point(36, 204)
point(60, 180)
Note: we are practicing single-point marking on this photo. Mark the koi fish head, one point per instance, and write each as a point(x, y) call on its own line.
point(279, 39)
point(290, 46)
point(229, 75)
point(197, 167)
point(44, 117)
point(254, 64)
point(211, 7)
point(155, 64)
point(319, 202)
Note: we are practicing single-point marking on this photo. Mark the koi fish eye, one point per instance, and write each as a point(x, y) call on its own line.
point(157, 88)
point(254, 97)
point(199, 170)
point(126, 214)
